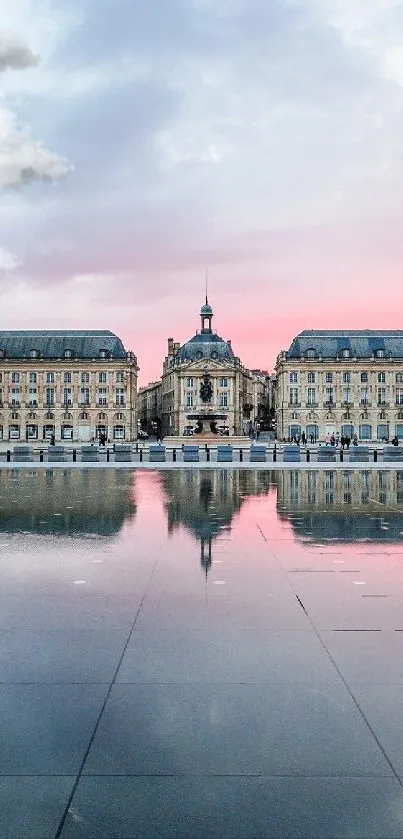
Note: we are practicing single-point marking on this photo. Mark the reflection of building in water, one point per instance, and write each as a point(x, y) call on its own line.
point(66, 502)
point(205, 502)
point(342, 504)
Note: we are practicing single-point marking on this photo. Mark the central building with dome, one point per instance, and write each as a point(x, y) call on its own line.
point(238, 394)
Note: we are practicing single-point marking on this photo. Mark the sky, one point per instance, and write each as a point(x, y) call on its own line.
point(143, 141)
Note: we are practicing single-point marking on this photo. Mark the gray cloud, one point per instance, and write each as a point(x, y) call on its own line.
point(14, 53)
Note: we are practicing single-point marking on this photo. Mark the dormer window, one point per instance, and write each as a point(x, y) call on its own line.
point(103, 354)
point(346, 353)
point(2, 353)
point(68, 354)
point(380, 353)
point(34, 353)
point(310, 353)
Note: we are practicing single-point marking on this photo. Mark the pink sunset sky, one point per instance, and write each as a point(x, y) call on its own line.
point(141, 142)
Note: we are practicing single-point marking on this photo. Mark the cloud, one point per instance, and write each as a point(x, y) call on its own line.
point(24, 159)
point(8, 262)
point(14, 54)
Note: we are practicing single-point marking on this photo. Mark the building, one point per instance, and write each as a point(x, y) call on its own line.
point(345, 383)
point(237, 392)
point(73, 384)
point(149, 408)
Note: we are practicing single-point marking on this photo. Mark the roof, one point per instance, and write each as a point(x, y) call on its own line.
point(54, 343)
point(361, 343)
point(205, 345)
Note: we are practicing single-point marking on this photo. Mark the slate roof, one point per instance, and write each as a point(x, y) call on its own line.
point(205, 345)
point(362, 343)
point(53, 343)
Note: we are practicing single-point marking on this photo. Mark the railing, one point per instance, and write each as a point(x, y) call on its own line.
point(294, 404)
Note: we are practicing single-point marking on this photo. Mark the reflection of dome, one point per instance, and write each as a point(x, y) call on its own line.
point(205, 345)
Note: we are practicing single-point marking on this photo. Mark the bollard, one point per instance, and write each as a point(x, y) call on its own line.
point(207, 453)
point(375, 455)
point(40, 455)
point(174, 455)
point(8, 455)
point(141, 455)
point(308, 455)
point(241, 455)
point(341, 455)
point(74, 455)
point(107, 455)
point(274, 454)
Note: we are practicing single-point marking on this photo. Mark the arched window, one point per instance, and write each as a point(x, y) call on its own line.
point(380, 353)
point(310, 353)
point(68, 354)
point(103, 353)
point(346, 353)
point(34, 353)
point(83, 416)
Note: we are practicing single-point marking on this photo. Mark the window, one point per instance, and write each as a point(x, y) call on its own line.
point(311, 378)
point(119, 377)
point(102, 396)
point(223, 400)
point(293, 377)
point(33, 378)
point(50, 396)
point(85, 377)
point(224, 382)
point(310, 353)
point(68, 354)
point(364, 396)
point(67, 396)
point(15, 378)
point(399, 396)
point(119, 432)
point(189, 381)
point(33, 396)
point(120, 396)
point(103, 353)
point(189, 400)
point(329, 396)
point(102, 378)
point(67, 378)
point(33, 354)
point(346, 395)
point(364, 377)
point(15, 396)
point(346, 353)
point(381, 377)
point(85, 396)
point(381, 395)
point(399, 377)
point(50, 378)
point(329, 377)
point(380, 353)
point(293, 396)
point(346, 378)
point(311, 396)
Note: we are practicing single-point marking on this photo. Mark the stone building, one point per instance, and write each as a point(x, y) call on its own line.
point(73, 384)
point(237, 392)
point(350, 382)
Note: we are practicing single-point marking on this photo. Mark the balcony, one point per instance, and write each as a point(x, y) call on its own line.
point(120, 404)
point(312, 404)
point(49, 405)
point(102, 404)
point(33, 403)
point(15, 403)
point(382, 404)
point(294, 404)
point(330, 403)
point(83, 404)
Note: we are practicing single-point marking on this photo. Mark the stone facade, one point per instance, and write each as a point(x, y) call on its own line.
point(238, 393)
point(74, 385)
point(347, 383)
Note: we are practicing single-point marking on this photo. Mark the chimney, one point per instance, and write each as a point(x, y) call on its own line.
point(229, 344)
point(170, 346)
point(176, 347)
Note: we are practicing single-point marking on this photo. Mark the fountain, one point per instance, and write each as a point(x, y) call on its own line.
point(206, 417)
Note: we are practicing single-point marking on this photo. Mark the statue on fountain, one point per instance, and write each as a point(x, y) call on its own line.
point(206, 390)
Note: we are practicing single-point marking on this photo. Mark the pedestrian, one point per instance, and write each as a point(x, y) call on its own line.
point(303, 438)
point(348, 441)
point(332, 439)
point(312, 438)
point(342, 441)
point(52, 439)
point(355, 440)
point(337, 439)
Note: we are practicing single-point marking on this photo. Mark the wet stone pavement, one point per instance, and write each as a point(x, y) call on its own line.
point(193, 653)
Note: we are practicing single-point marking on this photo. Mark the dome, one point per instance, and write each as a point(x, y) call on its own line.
point(206, 309)
point(206, 345)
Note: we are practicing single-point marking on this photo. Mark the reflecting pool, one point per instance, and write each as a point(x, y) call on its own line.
point(201, 653)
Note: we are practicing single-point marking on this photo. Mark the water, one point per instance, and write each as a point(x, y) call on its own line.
point(201, 653)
